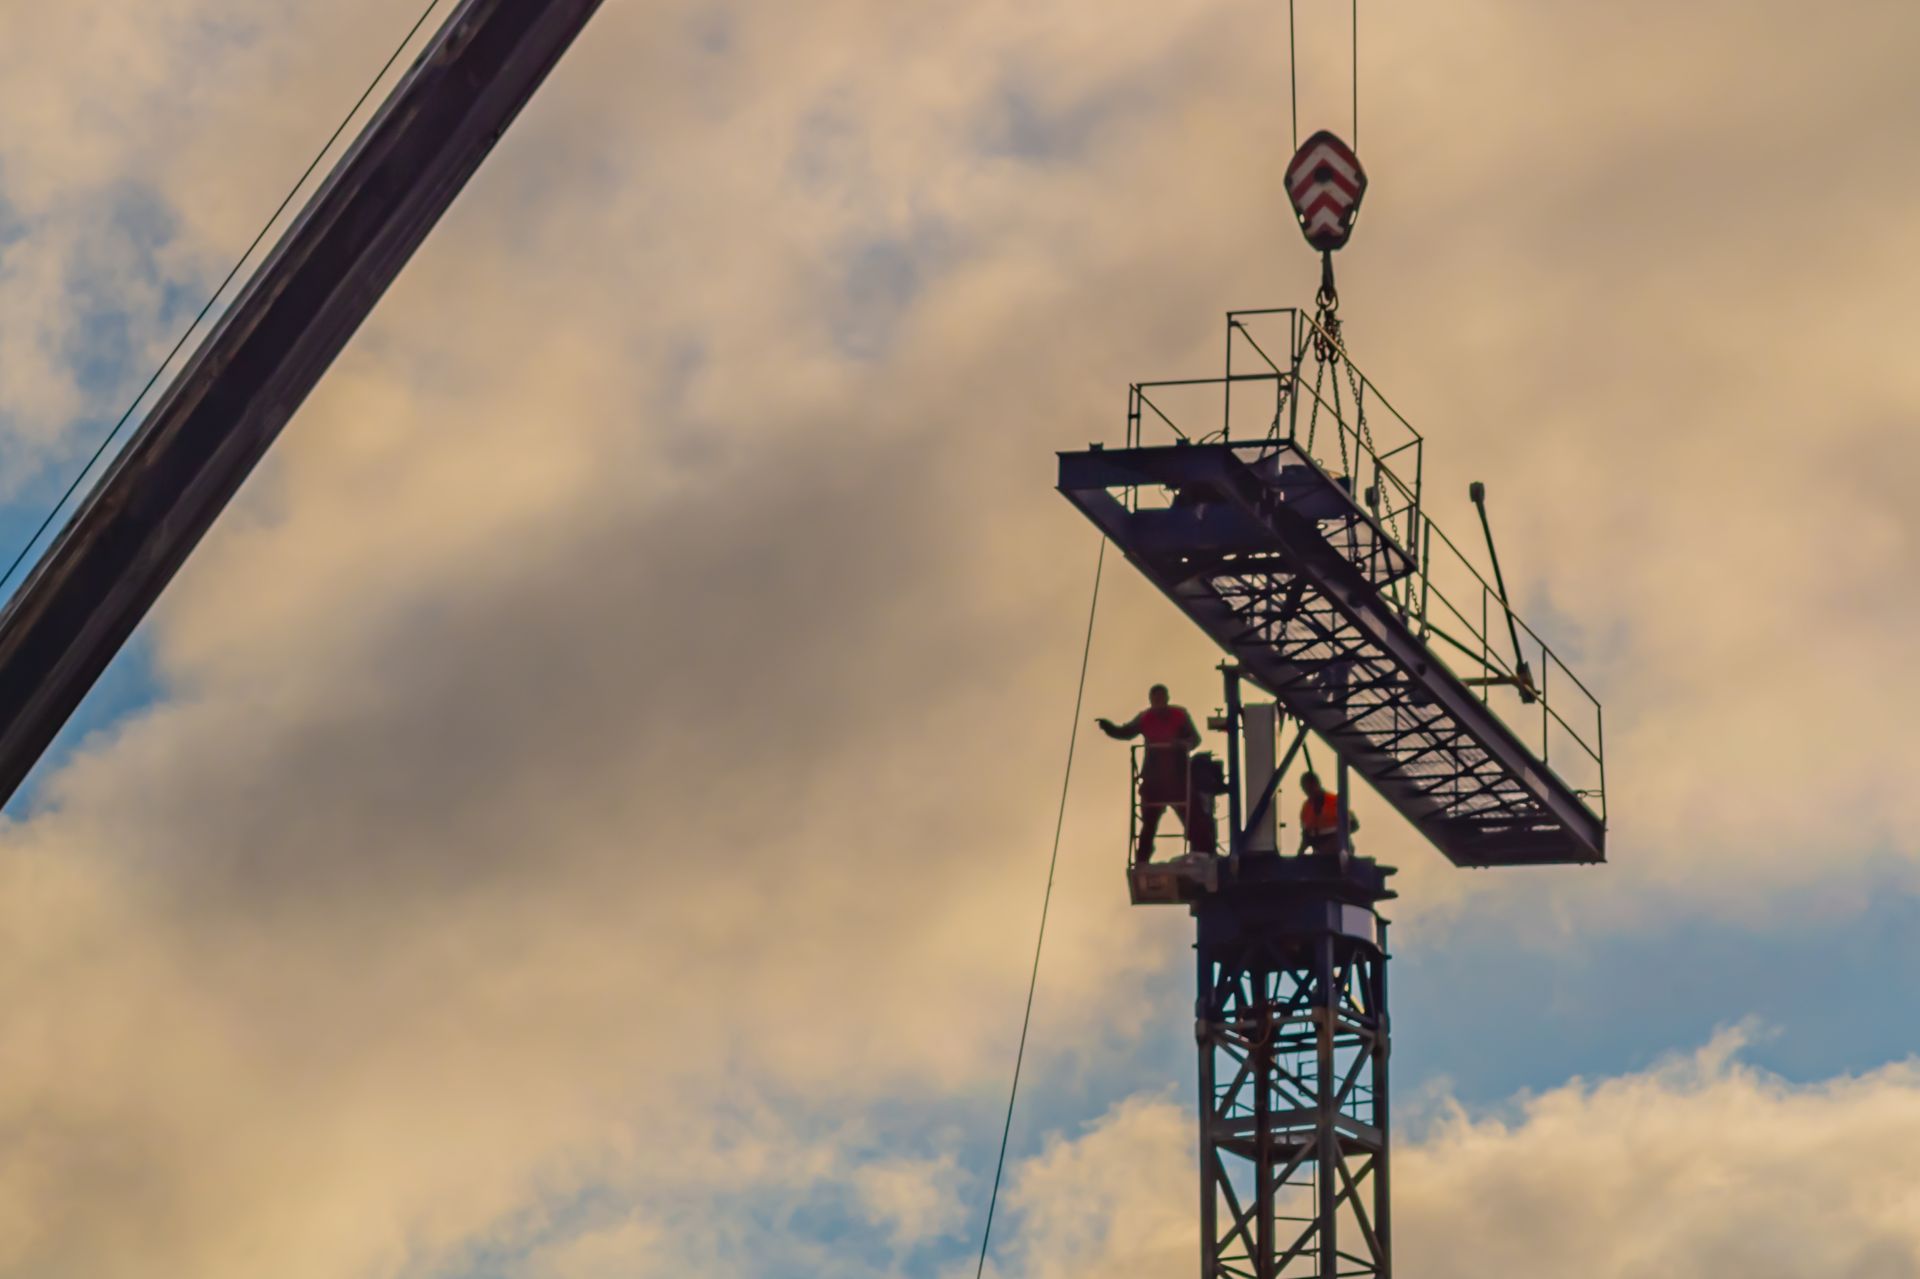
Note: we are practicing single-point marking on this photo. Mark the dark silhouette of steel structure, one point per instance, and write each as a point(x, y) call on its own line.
point(1293, 1036)
point(1295, 536)
point(255, 368)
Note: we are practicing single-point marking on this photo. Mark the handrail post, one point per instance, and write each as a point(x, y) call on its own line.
point(1546, 732)
point(1236, 838)
point(1226, 413)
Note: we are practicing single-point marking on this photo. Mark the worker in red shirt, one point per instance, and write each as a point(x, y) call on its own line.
point(1170, 738)
point(1320, 819)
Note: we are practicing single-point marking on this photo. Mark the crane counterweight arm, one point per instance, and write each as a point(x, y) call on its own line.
point(219, 415)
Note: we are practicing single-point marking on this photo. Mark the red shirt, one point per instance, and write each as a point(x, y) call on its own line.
point(1169, 727)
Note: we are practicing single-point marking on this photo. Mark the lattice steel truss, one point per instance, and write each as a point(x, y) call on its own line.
point(1371, 704)
point(1293, 1038)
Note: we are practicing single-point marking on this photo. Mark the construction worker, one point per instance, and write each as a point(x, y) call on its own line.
point(1170, 737)
point(1320, 819)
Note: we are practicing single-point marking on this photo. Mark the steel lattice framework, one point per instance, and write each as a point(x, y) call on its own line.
point(1293, 1038)
point(1321, 583)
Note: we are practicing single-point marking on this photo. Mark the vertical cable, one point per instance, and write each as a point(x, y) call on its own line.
point(1293, 77)
point(1356, 75)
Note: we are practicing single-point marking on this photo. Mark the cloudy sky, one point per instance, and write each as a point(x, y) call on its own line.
point(584, 810)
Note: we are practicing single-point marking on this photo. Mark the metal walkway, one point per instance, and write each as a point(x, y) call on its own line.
point(1310, 590)
point(1270, 556)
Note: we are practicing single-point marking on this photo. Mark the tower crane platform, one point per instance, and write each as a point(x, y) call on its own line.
point(1302, 548)
point(1279, 507)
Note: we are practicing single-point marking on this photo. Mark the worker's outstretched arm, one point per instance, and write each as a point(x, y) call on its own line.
point(1120, 732)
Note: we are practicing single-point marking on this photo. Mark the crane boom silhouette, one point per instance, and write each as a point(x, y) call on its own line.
point(216, 420)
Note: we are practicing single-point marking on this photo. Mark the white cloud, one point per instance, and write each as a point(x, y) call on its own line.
point(914, 1200)
point(620, 1251)
point(1700, 1165)
point(1117, 1199)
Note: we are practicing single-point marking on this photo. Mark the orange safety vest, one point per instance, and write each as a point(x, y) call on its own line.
point(1327, 822)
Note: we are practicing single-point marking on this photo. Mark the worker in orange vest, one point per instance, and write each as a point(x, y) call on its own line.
point(1320, 819)
point(1170, 736)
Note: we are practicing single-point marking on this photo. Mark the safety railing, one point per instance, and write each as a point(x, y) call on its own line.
point(1193, 817)
point(1288, 380)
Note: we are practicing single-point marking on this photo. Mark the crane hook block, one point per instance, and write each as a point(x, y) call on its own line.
point(1325, 183)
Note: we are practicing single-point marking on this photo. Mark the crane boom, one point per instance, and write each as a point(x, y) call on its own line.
point(227, 405)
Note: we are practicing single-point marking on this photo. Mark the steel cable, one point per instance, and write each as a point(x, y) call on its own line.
point(1293, 72)
point(1356, 75)
point(1046, 902)
point(106, 441)
point(1293, 75)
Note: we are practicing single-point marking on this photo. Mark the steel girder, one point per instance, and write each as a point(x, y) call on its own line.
point(1296, 580)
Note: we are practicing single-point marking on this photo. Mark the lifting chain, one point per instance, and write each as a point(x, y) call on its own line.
point(1328, 349)
point(1328, 354)
point(1326, 337)
point(1319, 377)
